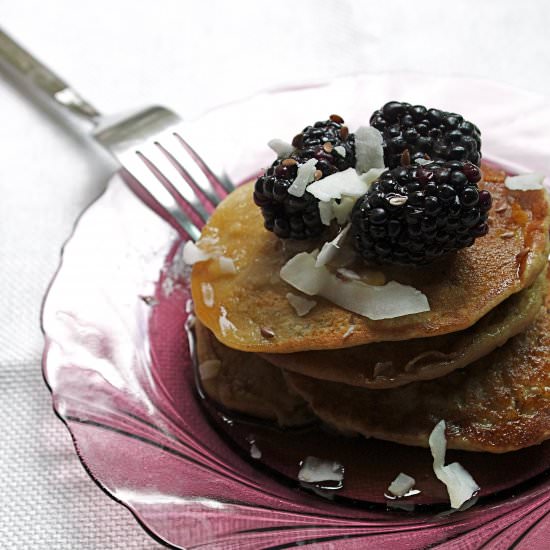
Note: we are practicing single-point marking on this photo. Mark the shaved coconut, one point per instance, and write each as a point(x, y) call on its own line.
point(225, 324)
point(334, 209)
point(317, 470)
point(460, 484)
point(334, 186)
point(525, 182)
point(438, 444)
point(338, 193)
point(301, 273)
point(401, 485)
point(305, 175)
point(330, 249)
point(341, 150)
point(209, 369)
point(255, 451)
point(207, 291)
point(375, 302)
point(281, 147)
point(372, 175)
point(227, 265)
point(348, 332)
point(326, 212)
point(301, 305)
point(368, 149)
point(342, 210)
point(348, 274)
point(192, 254)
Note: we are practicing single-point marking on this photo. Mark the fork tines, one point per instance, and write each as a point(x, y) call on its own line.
point(177, 179)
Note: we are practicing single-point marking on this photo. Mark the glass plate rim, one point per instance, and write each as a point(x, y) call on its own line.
point(284, 88)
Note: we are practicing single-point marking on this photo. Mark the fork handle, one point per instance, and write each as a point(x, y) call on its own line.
point(39, 77)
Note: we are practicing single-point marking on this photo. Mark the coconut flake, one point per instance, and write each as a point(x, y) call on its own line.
point(330, 249)
point(281, 147)
point(326, 212)
point(305, 175)
point(301, 273)
point(525, 182)
point(255, 451)
point(368, 149)
point(341, 150)
point(317, 470)
point(348, 332)
point(227, 265)
point(225, 324)
point(336, 185)
point(207, 291)
point(209, 369)
point(342, 210)
point(401, 485)
point(460, 484)
point(301, 305)
point(372, 175)
point(339, 192)
point(438, 445)
point(192, 254)
point(348, 274)
point(423, 162)
point(375, 302)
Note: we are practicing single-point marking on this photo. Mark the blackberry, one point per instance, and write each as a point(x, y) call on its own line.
point(287, 216)
point(298, 217)
point(322, 138)
point(415, 214)
point(431, 133)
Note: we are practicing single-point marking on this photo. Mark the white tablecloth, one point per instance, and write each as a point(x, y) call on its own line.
point(188, 55)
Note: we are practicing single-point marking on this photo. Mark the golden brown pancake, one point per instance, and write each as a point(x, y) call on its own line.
point(245, 383)
point(250, 311)
point(498, 404)
point(391, 364)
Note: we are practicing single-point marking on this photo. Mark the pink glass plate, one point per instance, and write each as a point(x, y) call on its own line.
point(118, 363)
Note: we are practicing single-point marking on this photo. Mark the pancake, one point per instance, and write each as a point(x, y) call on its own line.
point(249, 310)
point(499, 404)
point(391, 364)
point(243, 382)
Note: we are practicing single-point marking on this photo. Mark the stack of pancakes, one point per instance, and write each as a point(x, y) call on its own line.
point(479, 359)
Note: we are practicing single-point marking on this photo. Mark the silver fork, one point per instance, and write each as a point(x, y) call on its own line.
point(147, 143)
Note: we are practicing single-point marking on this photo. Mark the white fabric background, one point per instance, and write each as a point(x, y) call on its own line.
point(188, 55)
